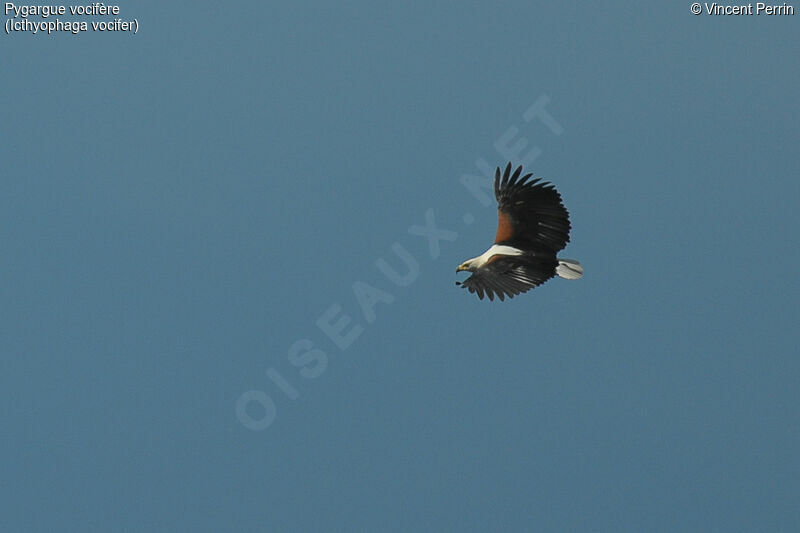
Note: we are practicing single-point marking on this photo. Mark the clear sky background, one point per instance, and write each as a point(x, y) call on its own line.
point(179, 207)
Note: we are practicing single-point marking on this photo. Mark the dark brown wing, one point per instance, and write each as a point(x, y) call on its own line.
point(509, 276)
point(530, 215)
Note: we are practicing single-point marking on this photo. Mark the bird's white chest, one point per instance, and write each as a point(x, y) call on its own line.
point(497, 249)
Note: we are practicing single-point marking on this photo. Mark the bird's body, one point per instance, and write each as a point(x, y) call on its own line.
point(533, 226)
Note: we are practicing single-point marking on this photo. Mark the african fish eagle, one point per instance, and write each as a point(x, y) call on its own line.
point(532, 227)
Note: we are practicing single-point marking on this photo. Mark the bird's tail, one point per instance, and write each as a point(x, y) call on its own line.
point(569, 269)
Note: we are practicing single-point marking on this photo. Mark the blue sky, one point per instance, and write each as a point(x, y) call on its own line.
point(180, 207)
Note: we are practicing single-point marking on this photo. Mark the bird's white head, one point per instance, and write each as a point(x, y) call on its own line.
point(470, 265)
point(477, 262)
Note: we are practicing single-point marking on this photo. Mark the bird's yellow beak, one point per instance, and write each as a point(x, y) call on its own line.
point(460, 268)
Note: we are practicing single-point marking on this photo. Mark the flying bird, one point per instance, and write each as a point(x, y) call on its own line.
point(532, 227)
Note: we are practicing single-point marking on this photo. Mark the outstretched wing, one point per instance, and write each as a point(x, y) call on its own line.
point(509, 276)
point(529, 213)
